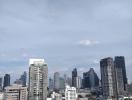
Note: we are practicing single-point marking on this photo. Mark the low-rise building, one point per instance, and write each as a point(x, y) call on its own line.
point(15, 92)
point(129, 88)
point(56, 96)
point(70, 93)
point(1, 95)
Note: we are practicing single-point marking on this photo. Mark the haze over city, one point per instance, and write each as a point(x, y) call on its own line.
point(66, 33)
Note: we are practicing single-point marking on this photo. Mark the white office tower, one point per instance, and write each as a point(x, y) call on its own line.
point(56, 81)
point(70, 93)
point(78, 82)
point(15, 92)
point(38, 79)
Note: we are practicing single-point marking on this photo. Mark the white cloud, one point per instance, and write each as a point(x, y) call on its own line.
point(88, 42)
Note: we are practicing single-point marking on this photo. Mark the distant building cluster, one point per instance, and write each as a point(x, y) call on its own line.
point(113, 77)
point(113, 84)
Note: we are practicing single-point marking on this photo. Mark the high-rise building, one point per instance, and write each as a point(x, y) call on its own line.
point(90, 79)
point(85, 80)
point(65, 78)
point(23, 78)
point(78, 82)
point(69, 81)
point(62, 83)
point(1, 82)
point(51, 84)
point(6, 80)
point(70, 93)
point(74, 75)
point(120, 64)
point(119, 78)
point(56, 81)
point(38, 79)
point(108, 78)
point(15, 92)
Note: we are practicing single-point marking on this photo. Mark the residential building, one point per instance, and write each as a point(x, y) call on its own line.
point(15, 92)
point(38, 79)
point(119, 78)
point(70, 93)
point(120, 64)
point(108, 79)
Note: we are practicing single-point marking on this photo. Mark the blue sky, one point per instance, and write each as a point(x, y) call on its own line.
point(66, 33)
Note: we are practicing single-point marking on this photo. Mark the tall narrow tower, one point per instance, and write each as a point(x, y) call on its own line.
point(74, 75)
point(108, 78)
point(6, 80)
point(38, 79)
point(1, 81)
point(56, 81)
point(120, 65)
point(23, 78)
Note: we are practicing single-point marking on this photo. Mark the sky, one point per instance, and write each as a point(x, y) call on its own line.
point(66, 33)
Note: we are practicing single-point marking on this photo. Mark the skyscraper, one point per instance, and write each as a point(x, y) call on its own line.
point(108, 78)
point(1, 82)
point(94, 80)
point(65, 78)
point(119, 79)
point(62, 83)
point(51, 84)
point(120, 64)
point(23, 78)
point(74, 75)
point(6, 80)
point(69, 81)
point(78, 82)
point(90, 79)
point(56, 81)
point(38, 79)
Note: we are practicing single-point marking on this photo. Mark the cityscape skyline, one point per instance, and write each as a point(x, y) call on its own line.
point(66, 33)
point(112, 85)
point(62, 74)
point(71, 74)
